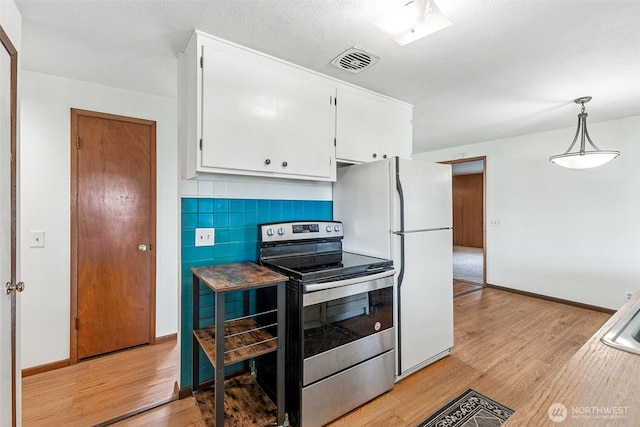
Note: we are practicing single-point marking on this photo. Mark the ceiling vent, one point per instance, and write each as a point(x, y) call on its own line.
point(355, 60)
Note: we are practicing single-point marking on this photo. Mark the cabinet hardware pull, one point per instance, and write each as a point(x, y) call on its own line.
point(375, 155)
point(285, 164)
point(267, 162)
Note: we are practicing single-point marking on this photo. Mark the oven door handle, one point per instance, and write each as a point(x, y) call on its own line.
point(327, 285)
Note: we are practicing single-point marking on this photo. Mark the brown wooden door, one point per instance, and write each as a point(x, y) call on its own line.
point(114, 224)
point(468, 223)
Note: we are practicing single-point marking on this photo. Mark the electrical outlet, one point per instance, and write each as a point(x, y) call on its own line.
point(629, 295)
point(205, 236)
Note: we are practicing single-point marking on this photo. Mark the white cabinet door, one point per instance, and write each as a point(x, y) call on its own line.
point(371, 127)
point(396, 135)
point(305, 127)
point(238, 112)
point(260, 116)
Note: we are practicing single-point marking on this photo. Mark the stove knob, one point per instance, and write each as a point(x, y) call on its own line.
point(281, 231)
point(270, 232)
point(336, 228)
point(329, 229)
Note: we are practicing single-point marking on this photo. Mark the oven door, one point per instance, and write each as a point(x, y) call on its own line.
point(346, 325)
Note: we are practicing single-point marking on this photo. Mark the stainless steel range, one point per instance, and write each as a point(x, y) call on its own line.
point(340, 331)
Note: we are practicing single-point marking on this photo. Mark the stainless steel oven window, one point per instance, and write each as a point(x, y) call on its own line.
point(335, 322)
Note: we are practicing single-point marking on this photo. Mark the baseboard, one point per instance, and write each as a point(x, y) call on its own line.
point(166, 338)
point(185, 392)
point(27, 372)
point(553, 299)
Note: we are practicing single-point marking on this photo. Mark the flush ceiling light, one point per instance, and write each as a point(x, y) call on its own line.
point(583, 159)
point(413, 21)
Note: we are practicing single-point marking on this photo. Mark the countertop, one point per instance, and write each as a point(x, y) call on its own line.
point(599, 386)
point(236, 276)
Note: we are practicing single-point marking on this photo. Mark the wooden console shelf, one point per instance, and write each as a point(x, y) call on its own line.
point(243, 340)
point(244, 401)
point(238, 401)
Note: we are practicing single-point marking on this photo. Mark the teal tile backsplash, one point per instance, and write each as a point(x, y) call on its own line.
point(236, 239)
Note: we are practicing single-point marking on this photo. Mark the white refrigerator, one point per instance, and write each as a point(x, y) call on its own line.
point(402, 210)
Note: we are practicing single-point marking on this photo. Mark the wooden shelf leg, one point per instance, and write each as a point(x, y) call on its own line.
point(195, 323)
point(219, 368)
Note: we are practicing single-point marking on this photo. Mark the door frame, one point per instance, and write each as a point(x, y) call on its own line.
point(13, 55)
point(484, 208)
point(75, 115)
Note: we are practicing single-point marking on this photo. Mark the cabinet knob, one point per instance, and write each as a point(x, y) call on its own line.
point(384, 156)
point(375, 155)
point(267, 162)
point(285, 164)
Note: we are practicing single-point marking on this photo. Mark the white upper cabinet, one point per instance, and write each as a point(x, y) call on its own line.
point(243, 112)
point(371, 127)
point(257, 115)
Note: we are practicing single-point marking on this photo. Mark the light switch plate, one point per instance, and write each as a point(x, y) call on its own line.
point(205, 236)
point(36, 239)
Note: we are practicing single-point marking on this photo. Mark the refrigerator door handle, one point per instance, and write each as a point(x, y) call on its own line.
point(400, 233)
point(401, 273)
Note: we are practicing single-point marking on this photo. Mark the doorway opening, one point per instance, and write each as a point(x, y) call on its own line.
point(469, 255)
point(113, 275)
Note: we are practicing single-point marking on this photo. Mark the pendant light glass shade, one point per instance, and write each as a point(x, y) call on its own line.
point(583, 159)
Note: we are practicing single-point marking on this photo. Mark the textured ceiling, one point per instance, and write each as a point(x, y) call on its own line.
point(504, 68)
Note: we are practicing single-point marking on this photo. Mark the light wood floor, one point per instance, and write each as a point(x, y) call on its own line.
point(101, 389)
point(505, 345)
point(463, 288)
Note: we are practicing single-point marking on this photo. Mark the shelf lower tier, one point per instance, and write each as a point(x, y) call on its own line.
point(243, 340)
point(245, 403)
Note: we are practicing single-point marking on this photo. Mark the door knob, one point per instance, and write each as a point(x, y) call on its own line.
point(17, 287)
point(142, 248)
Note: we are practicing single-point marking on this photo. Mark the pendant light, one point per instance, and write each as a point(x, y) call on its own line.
point(583, 159)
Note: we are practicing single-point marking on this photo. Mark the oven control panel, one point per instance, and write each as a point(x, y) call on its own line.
point(300, 230)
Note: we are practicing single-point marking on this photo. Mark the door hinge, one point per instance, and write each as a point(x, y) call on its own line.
point(202, 62)
point(201, 144)
point(77, 323)
point(77, 142)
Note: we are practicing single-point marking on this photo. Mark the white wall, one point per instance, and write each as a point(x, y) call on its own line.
point(45, 204)
point(570, 234)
